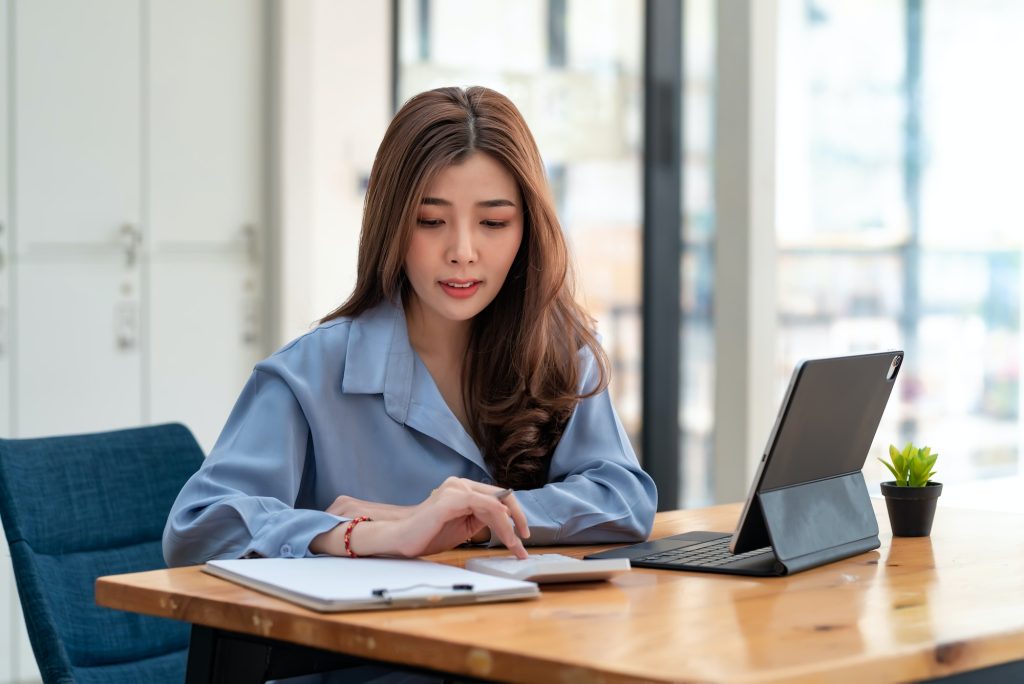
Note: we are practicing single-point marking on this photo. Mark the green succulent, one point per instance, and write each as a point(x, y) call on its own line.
point(911, 467)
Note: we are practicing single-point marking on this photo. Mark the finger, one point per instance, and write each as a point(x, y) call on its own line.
point(518, 517)
point(495, 514)
point(513, 544)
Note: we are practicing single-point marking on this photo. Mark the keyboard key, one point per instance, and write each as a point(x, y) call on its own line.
point(706, 554)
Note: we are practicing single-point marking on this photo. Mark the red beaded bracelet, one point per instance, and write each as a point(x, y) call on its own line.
point(348, 534)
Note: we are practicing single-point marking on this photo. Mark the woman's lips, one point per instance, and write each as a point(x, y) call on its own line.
point(458, 288)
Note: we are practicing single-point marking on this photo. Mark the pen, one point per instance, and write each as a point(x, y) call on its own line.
point(503, 494)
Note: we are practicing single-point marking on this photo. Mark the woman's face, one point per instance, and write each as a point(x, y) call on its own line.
point(468, 230)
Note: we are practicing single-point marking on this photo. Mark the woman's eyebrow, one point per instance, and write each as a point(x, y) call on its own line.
point(438, 202)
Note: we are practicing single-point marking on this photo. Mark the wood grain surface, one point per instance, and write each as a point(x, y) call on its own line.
point(915, 608)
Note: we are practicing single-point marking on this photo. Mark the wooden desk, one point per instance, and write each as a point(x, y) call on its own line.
point(913, 609)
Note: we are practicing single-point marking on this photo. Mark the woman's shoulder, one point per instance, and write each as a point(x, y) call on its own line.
point(325, 333)
point(313, 351)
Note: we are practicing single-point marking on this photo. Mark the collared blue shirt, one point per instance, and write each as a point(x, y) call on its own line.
point(349, 408)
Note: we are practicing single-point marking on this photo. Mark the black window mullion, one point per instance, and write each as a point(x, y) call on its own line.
point(662, 245)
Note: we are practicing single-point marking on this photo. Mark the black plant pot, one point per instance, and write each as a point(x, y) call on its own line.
point(911, 509)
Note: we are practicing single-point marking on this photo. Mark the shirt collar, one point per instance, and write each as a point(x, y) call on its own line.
point(370, 338)
point(380, 360)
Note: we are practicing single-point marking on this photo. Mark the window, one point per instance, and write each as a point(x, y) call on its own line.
point(696, 405)
point(897, 214)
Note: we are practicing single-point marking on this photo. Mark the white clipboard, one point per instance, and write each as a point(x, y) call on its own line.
point(329, 584)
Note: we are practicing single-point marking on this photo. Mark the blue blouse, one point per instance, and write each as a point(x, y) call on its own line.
point(349, 408)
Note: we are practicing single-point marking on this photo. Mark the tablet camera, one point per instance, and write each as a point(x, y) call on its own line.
point(894, 368)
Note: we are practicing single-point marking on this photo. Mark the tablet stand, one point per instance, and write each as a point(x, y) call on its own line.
point(813, 523)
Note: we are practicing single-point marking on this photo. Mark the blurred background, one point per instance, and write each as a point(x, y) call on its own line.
point(181, 187)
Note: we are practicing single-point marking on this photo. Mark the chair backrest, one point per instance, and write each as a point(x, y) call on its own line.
point(78, 507)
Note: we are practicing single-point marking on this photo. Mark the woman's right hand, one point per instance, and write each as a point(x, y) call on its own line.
point(453, 513)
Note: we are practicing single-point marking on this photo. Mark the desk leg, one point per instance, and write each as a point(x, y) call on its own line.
point(201, 647)
point(219, 657)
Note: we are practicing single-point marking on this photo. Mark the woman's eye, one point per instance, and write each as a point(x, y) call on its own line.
point(495, 224)
point(429, 222)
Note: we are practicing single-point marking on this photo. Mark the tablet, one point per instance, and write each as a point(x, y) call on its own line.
point(549, 568)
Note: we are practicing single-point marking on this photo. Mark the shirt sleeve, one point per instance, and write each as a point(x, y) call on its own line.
point(597, 491)
point(241, 501)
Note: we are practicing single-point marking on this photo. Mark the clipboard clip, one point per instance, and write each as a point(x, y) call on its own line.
point(386, 594)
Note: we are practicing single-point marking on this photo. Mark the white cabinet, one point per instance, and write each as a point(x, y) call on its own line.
point(206, 96)
point(8, 601)
point(7, 590)
point(132, 251)
point(23, 660)
point(77, 200)
point(140, 167)
point(204, 339)
point(79, 366)
point(17, 662)
point(5, 256)
point(12, 631)
point(77, 122)
point(207, 199)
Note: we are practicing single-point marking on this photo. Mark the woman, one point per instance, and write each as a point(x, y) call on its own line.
point(460, 366)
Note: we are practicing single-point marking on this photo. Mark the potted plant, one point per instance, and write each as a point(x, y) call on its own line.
point(912, 496)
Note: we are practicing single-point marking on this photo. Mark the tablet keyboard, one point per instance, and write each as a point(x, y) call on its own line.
point(704, 554)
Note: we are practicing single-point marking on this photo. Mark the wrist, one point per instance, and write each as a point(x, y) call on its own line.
point(366, 538)
point(373, 538)
point(330, 542)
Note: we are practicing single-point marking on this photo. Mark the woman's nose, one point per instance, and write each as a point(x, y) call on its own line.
point(462, 249)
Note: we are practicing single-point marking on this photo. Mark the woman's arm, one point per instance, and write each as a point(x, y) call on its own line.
point(597, 491)
point(241, 501)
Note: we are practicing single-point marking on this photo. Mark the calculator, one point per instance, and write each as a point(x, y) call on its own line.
point(549, 568)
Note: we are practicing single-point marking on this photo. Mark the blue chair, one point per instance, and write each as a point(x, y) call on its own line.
point(78, 507)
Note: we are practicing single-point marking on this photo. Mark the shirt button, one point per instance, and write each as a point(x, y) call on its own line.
point(286, 550)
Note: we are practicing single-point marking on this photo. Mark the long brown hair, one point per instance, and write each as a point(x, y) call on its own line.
point(521, 376)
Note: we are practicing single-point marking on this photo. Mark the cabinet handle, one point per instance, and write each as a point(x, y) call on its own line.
point(131, 238)
point(250, 320)
point(126, 325)
point(251, 236)
point(3, 306)
point(250, 297)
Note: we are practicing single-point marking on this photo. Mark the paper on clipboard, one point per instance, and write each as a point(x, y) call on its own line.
point(329, 584)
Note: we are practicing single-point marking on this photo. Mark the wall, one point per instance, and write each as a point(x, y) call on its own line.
point(335, 105)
